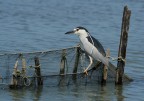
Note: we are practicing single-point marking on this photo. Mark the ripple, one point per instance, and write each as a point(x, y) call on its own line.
point(35, 25)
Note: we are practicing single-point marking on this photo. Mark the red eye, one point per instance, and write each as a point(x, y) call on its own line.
point(77, 29)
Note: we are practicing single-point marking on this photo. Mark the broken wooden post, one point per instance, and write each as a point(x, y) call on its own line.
point(63, 62)
point(14, 81)
point(104, 77)
point(38, 71)
point(123, 45)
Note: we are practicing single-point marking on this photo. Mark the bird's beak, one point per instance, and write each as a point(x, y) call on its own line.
point(70, 32)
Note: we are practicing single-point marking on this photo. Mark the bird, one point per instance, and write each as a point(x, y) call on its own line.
point(91, 46)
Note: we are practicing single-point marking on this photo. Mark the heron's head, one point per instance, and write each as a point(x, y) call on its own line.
point(80, 31)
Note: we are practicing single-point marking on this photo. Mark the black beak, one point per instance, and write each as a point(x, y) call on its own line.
point(70, 32)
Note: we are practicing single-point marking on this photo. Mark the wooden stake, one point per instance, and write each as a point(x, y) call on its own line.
point(77, 57)
point(38, 71)
point(76, 60)
point(63, 62)
point(14, 80)
point(123, 45)
point(103, 82)
point(23, 71)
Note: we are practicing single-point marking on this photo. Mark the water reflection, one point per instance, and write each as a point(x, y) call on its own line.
point(119, 93)
point(23, 94)
point(34, 25)
point(17, 94)
point(37, 93)
point(106, 93)
point(93, 92)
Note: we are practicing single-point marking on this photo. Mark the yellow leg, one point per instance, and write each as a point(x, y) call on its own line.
point(91, 62)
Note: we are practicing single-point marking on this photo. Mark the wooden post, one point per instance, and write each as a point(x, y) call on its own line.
point(76, 60)
point(104, 77)
point(23, 71)
point(38, 71)
point(15, 73)
point(16, 78)
point(63, 62)
point(76, 63)
point(123, 45)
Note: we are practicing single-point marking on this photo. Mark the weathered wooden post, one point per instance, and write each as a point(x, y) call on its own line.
point(14, 81)
point(38, 71)
point(122, 46)
point(105, 68)
point(63, 62)
point(23, 71)
point(76, 63)
point(76, 60)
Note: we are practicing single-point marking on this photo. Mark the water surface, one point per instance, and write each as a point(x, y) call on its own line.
point(37, 25)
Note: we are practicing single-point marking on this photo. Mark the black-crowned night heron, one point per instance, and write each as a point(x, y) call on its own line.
point(90, 45)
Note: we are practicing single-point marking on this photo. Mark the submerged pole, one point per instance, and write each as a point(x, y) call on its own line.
point(38, 71)
point(122, 46)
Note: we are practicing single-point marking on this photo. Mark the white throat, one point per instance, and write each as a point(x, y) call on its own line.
point(82, 33)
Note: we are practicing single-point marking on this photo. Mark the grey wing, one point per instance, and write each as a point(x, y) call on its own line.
point(97, 44)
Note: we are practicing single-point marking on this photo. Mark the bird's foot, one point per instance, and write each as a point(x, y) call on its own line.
point(85, 72)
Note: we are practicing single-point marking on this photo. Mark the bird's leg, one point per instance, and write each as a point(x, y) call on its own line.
point(91, 62)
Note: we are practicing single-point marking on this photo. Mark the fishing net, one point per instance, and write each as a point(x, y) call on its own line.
point(58, 67)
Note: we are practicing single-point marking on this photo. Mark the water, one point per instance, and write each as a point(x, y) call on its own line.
point(37, 25)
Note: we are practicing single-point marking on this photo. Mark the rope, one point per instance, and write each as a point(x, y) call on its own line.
point(34, 66)
point(21, 74)
point(26, 81)
point(118, 58)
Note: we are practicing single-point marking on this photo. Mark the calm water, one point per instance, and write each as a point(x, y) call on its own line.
point(37, 25)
